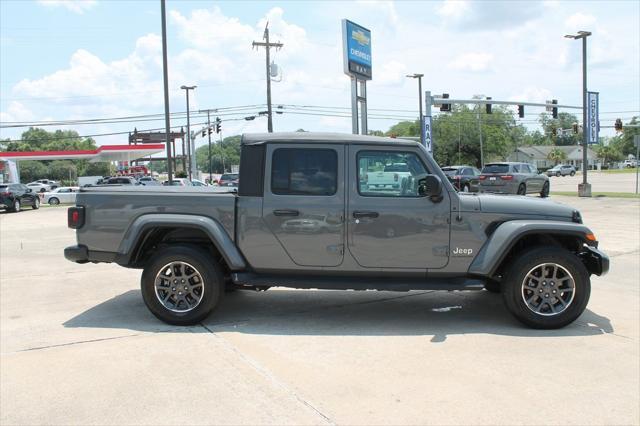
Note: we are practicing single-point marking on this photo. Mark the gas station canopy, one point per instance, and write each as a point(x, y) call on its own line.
point(104, 153)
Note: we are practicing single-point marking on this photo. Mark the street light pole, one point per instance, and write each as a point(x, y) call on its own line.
point(584, 189)
point(191, 149)
point(165, 77)
point(421, 118)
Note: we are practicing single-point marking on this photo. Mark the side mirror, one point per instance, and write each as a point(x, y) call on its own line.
point(29, 190)
point(430, 186)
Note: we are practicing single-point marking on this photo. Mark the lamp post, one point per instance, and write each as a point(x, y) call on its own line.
point(190, 147)
point(419, 77)
point(584, 189)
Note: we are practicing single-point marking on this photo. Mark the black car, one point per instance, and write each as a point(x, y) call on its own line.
point(13, 196)
point(463, 178)
point(228, 179)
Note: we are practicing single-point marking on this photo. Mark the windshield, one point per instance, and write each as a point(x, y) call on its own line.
point(396, 168)
point(496, 168)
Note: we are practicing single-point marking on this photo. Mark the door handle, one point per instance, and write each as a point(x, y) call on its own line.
point(286, 212)
point(361, 214)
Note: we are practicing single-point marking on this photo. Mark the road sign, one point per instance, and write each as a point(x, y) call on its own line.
point(356, 46)
point(426, 131)
point(593, 122)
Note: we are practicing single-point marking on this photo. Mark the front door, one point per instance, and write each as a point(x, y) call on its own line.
point(304, 201)
point(391, 226)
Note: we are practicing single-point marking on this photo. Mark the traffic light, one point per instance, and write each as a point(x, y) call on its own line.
point(554, 111)
point(210, 130)
point(575, 128)
point(618, 125)
point(445, 107)
point(204, 132)
point(218, 125)
point(521, 111)
point(488, 106)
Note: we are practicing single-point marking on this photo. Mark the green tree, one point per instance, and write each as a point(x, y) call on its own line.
point(557, 155)
point(623, 142)
point(607, 153)
point(32, 170)
point(223, 155)
point(564, 121)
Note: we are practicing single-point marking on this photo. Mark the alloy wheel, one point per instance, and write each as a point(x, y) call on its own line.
point(548, 289)
point(179, 287)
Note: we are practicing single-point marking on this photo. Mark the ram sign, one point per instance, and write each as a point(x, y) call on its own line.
point(356, 41)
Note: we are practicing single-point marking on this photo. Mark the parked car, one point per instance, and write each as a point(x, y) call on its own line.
point(121, 180)
point(630, 163)
point(61, 195)
point(562, 170)
point(463, 178)
point(197, 182)
point(14, 196)
point(392, 176)
point(148, 181)
point(52, 183)
point(513, 178)
point(192, 245)
point(178, 182)
point(229, 179)
point(39, 187)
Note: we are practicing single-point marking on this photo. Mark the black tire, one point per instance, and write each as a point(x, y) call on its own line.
point(513, 293)
point(36, 203)
point(54, 201)
point(558, 174)
point(572, 173)
point(522, 189)
point(43, 190)
point(492, 286)
point(545, 190)
point(16, 206)
point(212, 279)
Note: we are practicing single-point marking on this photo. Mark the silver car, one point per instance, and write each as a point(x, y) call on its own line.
point(513, 178)
point(61, 195)
point(562, 170)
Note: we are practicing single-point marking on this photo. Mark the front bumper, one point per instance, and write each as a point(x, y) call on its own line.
point(77, 254)
point(596, 261)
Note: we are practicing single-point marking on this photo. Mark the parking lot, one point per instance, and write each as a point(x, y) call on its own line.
point(78, 346)
point(600, 182)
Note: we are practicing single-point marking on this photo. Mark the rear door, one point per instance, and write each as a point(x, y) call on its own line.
point(394, 227)
point(304, 201)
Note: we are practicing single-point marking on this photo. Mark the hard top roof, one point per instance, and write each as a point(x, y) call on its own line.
point(319, 137)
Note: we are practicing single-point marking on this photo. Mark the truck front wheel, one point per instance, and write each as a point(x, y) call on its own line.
point(546, 287)
point(181, 285)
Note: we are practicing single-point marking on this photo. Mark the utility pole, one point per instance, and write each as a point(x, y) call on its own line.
point(192, 154)
point(584, 189)
point(267, 46)
point(209, 136)
point(165, 75)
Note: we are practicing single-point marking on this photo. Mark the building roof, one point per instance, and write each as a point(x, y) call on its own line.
point(541, 152)
point(260, 138)
point(103, 153)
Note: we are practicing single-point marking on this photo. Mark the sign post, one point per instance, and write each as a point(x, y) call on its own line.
point(356, 48)
point(427, 125)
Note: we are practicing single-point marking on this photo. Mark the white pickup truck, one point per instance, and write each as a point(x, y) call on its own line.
point(391, 177)
point(630, 163)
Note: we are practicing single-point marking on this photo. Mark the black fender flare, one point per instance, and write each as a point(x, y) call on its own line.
point(496, 248)
point(212, 228)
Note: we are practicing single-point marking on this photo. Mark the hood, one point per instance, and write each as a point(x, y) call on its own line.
point(522, 205)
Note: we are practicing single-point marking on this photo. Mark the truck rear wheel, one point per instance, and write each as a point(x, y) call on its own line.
point(546, 287)
point(181, 285)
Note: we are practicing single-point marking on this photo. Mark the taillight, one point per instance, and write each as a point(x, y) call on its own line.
point(457, 177)
point(482, 177)
point(506, 177)
point(395, 177)
point(75, 217)
point(6, 194)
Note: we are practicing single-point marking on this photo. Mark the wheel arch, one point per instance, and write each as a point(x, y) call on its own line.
point(511, 238)
point(150, 231)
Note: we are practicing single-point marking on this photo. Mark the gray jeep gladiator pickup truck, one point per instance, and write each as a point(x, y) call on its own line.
point(304, 216)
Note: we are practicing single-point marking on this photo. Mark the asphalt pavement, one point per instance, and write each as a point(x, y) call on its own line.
point(78, 346)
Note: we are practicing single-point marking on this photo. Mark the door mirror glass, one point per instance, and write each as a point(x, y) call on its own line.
point(430, 186)
point(29, 190)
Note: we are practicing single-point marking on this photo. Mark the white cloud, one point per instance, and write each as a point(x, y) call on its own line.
point(488, 15)
point(75, 6)
point(453, 8)
point(388, 8)
point(533, 94)
point(391, 73)
point(475, 61)
point(16, 111)
point(579, 21)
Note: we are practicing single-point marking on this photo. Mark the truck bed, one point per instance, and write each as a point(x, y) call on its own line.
point(109, 210)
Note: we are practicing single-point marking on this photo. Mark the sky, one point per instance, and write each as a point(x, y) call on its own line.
point(96, 59)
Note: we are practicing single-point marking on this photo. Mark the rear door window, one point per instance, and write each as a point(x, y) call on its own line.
point(304, 171)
